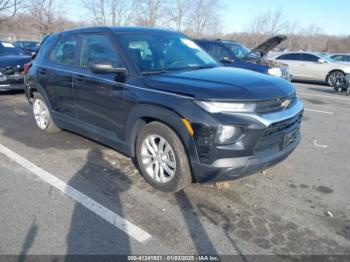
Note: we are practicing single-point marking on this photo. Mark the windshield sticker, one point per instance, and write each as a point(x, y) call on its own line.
point(7, 45)
point(190, 43)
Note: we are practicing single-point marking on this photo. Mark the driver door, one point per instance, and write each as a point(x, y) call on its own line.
point(99, 97)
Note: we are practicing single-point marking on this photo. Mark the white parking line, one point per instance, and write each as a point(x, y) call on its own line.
point(334, 97)
point(108, 215)
point(318, 111)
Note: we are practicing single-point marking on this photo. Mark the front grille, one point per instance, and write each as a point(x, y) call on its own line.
point(274, 105)
point(275, 133)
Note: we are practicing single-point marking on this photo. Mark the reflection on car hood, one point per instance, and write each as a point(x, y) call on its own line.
point(269, 44)
point(14, 60)
point(222, 83)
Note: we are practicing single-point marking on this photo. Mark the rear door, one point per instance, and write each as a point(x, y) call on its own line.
point(99, 97)
point(56, 77)
point(312, 69)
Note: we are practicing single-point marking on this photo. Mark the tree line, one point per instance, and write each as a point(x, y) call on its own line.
point(32, 19)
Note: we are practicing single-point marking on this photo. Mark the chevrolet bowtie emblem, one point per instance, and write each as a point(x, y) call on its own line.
point(285, 103)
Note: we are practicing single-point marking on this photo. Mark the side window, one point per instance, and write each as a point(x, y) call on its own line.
point(217, 51)
point(64, 51)
point(310, 58)
point(338, 58)
point(289, 57)
point(97, 47)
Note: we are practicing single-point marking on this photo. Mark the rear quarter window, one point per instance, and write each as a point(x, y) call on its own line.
point(290, 57)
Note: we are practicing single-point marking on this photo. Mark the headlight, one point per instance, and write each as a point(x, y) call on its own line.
point(228, 107)
point(275, 71)
point(228, 134)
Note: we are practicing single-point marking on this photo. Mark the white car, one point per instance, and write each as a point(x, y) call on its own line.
point(314, 66)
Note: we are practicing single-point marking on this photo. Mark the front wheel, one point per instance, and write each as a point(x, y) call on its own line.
point(42, 115)
point(162, 158)
point(333, 77)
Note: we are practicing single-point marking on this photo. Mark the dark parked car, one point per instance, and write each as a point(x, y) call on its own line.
point(156, 96)
point(234, 54)
point(12, 63)
point(27, 47)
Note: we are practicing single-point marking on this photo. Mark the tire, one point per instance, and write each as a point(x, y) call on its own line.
point(332, 77)
point(159, 148)
point(42, 115)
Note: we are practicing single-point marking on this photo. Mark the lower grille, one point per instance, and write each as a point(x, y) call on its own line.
point(275, 134)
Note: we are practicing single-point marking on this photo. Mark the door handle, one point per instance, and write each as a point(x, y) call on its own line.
point(80, 78)
point(42, 71)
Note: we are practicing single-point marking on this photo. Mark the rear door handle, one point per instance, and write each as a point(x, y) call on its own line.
point(42, 71)
point(80, 78)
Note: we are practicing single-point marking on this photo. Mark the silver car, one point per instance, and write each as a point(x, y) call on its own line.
point(341, 57)
point(314, 66)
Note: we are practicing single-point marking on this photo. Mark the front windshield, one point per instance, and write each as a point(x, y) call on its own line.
point(327, 58)
point(8, 49)
point(169, 52)
point(31, 45)
point(240, 51)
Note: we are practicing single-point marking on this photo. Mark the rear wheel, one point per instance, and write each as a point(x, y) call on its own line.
point(333, 77)
point(162, 158)
point(42, 115)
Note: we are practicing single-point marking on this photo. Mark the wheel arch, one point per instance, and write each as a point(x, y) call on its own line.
point(332, 71)
point(146, 113)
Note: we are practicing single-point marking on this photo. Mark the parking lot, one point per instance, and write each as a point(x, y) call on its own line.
point(64, 194)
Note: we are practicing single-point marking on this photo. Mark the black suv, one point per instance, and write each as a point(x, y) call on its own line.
point(235, 54)
point(156, 96)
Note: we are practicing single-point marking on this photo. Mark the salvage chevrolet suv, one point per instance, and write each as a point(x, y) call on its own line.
point(156, 96)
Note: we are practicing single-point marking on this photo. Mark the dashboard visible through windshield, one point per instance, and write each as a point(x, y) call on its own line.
point(159, 53)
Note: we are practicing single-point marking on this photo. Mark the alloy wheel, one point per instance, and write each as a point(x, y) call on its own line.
point(158, 158)
point(41, 114)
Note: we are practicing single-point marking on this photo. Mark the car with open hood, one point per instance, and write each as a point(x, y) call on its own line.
point(235, 54)
point(12, 63)
point(28, 47)
point(157, 97)
point(313, 66)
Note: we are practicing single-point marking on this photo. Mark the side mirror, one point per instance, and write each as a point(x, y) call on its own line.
point(104, 66)
point(322, 61)
point(226, 60)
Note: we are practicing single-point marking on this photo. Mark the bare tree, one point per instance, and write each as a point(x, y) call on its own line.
point(178, 13)
point(269, 23)
point(152, 12)
point(8, 8)
point(204, 16)
point(97, 9)
point(123, 12)
point(45, 16)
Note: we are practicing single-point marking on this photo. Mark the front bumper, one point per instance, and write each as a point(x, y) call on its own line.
point(275, 139)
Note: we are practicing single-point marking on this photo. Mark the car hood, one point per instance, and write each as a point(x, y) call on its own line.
point(14, 61)
point(268, 45)
point(222, 84)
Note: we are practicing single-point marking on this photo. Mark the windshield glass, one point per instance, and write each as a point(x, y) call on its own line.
point(327, 58)
point(31, 45)
point(238, 50)
point(169, 52)
point(8, 49)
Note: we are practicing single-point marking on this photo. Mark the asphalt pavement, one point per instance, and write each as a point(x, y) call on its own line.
point(64, 194)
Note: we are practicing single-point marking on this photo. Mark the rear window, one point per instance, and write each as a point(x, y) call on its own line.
point(64, 51)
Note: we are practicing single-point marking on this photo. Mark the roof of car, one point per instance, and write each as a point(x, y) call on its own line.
point(129, 29)
point(339, 54)
point(217, 40)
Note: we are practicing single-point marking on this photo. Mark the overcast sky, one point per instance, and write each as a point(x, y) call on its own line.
point(331, 16)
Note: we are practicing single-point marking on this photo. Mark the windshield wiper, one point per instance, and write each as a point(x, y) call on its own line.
point(201, 67)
